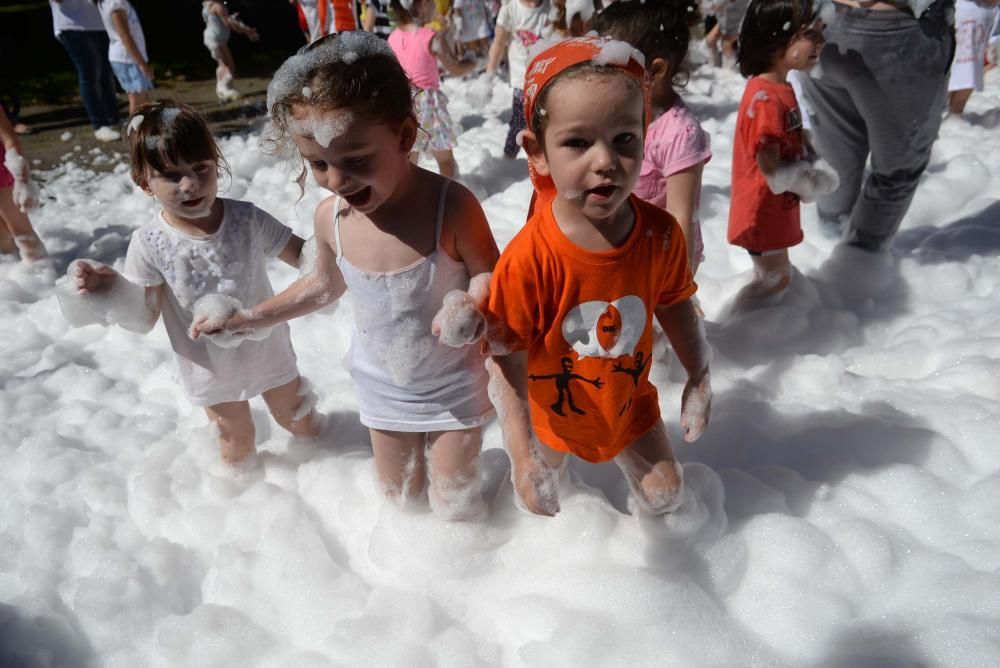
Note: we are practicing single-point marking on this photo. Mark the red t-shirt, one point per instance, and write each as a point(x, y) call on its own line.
point(586, 320)
point(759, 220)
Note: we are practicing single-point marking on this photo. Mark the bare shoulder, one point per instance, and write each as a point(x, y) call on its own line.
point(461, 208)
point(326, 211)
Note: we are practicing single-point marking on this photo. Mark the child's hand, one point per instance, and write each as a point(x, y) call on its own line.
point(696, 405)
point(89, 277)
point(147, 70)
point(805, 179)
point(459, 322)
point(26, 195)
point(224, 321)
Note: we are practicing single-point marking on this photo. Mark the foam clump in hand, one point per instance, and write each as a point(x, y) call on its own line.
point(805, 179)
point(26, 193)
point(460, 322)
point(118, 302)
point(213, 311)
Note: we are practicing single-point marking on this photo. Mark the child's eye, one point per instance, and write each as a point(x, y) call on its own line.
point(317, 164)
point(576, 142)
point(625, 138)
point(356, 161)
point(202, 167)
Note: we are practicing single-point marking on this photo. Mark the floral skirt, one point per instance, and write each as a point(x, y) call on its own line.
point(437, 132)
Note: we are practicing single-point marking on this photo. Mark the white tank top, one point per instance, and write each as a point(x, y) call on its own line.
point(406, 379)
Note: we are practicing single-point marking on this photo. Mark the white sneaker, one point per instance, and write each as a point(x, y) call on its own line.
point(106, 133)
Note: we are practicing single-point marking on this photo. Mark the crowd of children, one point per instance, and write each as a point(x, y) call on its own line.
point(553, 336)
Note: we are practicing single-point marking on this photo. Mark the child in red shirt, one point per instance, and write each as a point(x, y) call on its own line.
point(773, 165)
point(573, 296)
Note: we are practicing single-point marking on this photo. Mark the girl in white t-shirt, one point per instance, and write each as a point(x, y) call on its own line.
point(975, 21)
point(127, 51)
point(199, 244)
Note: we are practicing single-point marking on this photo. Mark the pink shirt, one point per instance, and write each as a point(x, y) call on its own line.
point(413, 50)
point(674, 142)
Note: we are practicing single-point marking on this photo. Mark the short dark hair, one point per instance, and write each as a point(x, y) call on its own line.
point(161, 134)
point(768, 27)
point(658, 29)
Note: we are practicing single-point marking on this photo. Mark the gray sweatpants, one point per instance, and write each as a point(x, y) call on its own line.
point(882, 91)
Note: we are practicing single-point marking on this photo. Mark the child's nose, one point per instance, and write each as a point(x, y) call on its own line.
point(189, 183)
point(336, 180)
point(603, 158)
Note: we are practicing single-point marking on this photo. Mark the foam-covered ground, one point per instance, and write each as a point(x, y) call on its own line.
point(844, 505)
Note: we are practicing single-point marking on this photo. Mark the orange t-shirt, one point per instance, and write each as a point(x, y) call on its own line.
point(759, 220)
point(343, 15)
point(586, 320)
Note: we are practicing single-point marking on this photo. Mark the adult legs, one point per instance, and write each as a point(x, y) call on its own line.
point(652, 471)
point(88, 49)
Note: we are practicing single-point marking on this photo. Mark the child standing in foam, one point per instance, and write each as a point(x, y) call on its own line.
point(17, 196)
point(574, 294)
point(676, 147)
point(219, 24)
point(473, 26)
point(520, 24)
point(419, 50)
point(127, 51)
point(773, 165)
point(974, 24)
point(198, 247)
point(406, 244)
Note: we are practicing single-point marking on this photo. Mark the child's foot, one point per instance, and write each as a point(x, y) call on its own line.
point(23, 129)
point(31, 248)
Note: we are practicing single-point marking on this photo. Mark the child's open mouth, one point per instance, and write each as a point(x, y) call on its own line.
point(359, 198)
point(197, 201)
point(603, 192)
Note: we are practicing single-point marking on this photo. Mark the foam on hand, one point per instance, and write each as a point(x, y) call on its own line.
point(26, 194)
point(808, 180)
point(216, 310)
point(118, 302)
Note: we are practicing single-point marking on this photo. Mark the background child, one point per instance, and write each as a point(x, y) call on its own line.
point(419, 50)
point(520, 24)
point(473, 27)
point(574, 293)
point(376, 18)
point(17, 196)
point(676, 148)
point(974, 24)
point(399, 238)
point(219, 23)
point(199, 245)
point(773, 166)
point(127, 51)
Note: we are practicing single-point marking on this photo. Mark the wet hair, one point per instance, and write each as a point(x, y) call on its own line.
point(539, 116)
point(354, 71)
point(768, 27)
point(660, 29)
point(161, 134)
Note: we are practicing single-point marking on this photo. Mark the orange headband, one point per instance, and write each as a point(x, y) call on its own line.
point(589, 49)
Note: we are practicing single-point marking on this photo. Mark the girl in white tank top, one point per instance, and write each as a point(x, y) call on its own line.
point(405, 242)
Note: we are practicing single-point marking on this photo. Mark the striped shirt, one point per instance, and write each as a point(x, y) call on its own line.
point(383, 24)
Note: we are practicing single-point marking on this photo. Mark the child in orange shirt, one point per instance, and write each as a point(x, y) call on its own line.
point(774, 167)
point(573, 296)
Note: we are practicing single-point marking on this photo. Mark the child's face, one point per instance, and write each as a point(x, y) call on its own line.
point(363, 163)
point(593, 142)
point(803, 51)
point(186, 190)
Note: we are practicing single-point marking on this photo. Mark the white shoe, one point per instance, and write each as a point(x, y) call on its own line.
point(105, 133)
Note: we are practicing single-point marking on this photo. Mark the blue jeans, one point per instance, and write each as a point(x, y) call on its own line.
point(88, 49)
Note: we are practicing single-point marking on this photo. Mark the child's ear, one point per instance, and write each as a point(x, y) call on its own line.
point(536, 152)
point(660, 69)
point(408, 135)
point(144, 186)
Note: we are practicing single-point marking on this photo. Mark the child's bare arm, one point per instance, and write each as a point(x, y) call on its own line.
point(292, 251)
point(500, 40)
point(233, 21)
point(441, 51)
point(684, 328)
point(682, 190)
point(121, 305)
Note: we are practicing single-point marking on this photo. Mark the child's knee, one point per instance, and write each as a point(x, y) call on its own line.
point(457, 498)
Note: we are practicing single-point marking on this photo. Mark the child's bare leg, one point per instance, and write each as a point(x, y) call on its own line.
point(293, 410)
point(712, 42)
point(729, 51)
point(7, 245)
point(226, 60)
point(456, 485)
point(536, 478)
point(957, 99)
point(236, 430)
point(136, 100)
point(772, 274)
point(399, 463)
point(446, 163)
point(19, 226)
point(652, 472)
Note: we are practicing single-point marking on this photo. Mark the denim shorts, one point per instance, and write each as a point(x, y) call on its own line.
point(130, 77)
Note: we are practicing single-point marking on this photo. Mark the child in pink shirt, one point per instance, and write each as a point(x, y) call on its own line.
point(676, 147)
point(418, 50)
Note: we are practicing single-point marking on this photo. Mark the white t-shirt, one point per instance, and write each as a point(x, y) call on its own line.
point(974, 27)
point(231, 262)
point(74, 15)
point(117, 53)
point(526, 26)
